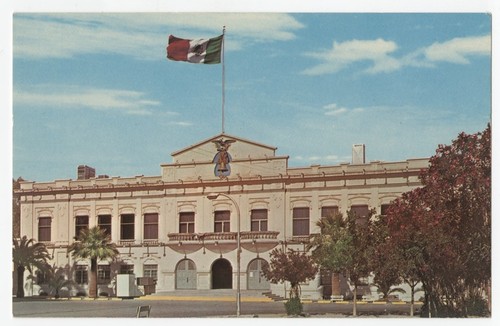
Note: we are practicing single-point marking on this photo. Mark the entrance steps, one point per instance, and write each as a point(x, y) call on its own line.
point(273, 296)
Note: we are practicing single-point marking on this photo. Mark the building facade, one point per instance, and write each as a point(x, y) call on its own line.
point(170, 228)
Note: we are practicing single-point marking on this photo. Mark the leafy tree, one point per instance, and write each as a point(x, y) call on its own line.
point(408, 271)
point(290, 266)
point(332, 247)
point(294, 267)
point(56, 279)
point(344, 246)
point(444, 228)
point(27, 254)
point(95, 245)
point(383, 261)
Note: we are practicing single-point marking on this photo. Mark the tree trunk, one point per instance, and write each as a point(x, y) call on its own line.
point(488, 294)
point(412, 302)
point(20, 281)
point(354, 306)
point(93, 278)
point(335, 284)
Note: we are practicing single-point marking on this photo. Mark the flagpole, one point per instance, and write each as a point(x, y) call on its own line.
point(223, 77)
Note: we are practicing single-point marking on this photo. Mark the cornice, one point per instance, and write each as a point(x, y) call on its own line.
point(284, 179)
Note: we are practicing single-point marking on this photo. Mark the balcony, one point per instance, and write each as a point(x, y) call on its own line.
point(223, 236)
point(223, 242)
point(126, 243)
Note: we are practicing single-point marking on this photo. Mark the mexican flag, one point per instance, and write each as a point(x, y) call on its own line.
point(207, 51)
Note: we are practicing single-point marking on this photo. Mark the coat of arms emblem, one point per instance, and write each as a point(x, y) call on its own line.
point(222, 158)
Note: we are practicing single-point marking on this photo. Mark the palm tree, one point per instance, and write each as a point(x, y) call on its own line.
point(27, 254)
point(56, 280)
point(95, 245)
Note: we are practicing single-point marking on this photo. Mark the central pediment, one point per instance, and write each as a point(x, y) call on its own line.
point(224, 155)
point(239, 149)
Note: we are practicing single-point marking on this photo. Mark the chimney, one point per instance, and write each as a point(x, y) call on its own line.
point(85, 172)
point(358, 154)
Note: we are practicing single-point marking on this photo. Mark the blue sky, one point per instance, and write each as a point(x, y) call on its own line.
point(96, 89)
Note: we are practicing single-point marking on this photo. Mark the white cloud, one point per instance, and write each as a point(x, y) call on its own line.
point(333, 109)
point(143, 36)
point(458, 50)
point(181, 124)
point(380, 53)
point(344, 54)
point(72, 97)
point(336, 112)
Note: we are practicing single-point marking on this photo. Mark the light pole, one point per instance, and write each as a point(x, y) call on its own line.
point(238, 250)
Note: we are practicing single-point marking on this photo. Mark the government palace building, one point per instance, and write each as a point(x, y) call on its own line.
point(182, 228)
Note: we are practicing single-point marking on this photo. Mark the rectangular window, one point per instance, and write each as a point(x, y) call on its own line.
point(301, 221)
point(329, 211)
point(81, 274)
point(150, 226)
point(126, 269)
point(186, 222)
point(361, 212)
point(151, 271)
point(222, 221)
point(258, 220)
point(81, 223)
point(103, 274)
point(44, 228)
point(127, 227)
point(104, 223)
point(384, 208)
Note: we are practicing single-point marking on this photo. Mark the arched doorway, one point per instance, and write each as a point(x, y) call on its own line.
point(222, 274)
point(257, 281)
point(185, 275)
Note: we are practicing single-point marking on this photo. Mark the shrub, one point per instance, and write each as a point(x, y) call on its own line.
point(477, 306)
point(293, 306)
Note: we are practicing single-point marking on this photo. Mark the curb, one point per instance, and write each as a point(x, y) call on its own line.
point(197, 298)
point(95, 299)
point(362, 302)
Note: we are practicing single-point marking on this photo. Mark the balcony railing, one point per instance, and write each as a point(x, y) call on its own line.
point(300, 239)
point(150, 242)
point(126, 242)
point(252, 235)
point(218, 236)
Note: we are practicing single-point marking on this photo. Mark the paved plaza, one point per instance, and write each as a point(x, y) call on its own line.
point(198, 304)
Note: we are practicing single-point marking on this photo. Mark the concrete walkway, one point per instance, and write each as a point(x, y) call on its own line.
point(208, 295)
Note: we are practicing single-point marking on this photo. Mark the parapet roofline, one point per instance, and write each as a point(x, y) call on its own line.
point(222, 135)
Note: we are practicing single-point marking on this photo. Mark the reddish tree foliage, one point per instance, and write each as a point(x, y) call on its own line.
point(292, 266)
point(444, 228)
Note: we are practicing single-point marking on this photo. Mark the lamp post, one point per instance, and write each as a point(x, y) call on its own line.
point(238, 250)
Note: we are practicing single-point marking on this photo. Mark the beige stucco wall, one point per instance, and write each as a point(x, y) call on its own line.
point(251, 161)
